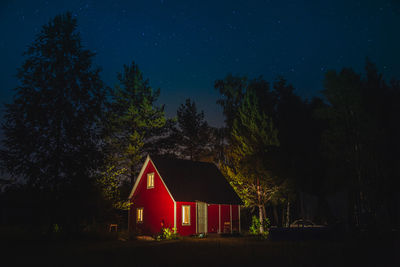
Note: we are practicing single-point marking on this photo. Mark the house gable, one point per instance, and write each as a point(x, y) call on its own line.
point(140, 177)
point(156, 202)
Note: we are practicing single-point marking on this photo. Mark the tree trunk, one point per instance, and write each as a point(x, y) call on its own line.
point(302, 205)
point(352, 210)
point(288, 214)
point(260, 207)
point(283, 215)
point(261, 217)
point(264, 213)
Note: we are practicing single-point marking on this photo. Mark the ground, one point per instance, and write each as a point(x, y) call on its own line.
point(214, 251)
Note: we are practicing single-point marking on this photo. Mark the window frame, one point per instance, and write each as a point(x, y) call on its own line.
point(183, 212)
point(150, 174)
point(137, 214)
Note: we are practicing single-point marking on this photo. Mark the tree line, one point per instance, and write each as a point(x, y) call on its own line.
point(73, 146)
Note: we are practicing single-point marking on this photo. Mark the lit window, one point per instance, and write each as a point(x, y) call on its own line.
point(139, 215)
point(150, 180)
point(185, 215)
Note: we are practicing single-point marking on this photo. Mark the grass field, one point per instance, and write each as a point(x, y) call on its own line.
point(216, 251)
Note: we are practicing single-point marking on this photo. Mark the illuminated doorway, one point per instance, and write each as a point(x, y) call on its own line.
point(201, 217)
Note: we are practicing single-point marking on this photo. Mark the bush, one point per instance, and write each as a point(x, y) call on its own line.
point(167, 234)
point(255, 227)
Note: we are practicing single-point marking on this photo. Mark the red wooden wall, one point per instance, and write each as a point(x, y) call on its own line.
point(213, 218)
point(186, 229)
point(157, 205)
point(225, 218)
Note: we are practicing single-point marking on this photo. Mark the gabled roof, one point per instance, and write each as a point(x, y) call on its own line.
point(195, 181)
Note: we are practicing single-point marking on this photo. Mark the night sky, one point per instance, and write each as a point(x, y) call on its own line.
point(182, 47)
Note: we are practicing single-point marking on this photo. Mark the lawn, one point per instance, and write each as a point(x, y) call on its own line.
point(202, 252)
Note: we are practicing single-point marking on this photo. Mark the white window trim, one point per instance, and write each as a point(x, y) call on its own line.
point(150, 174)
point(137, 217)
point(183, 208)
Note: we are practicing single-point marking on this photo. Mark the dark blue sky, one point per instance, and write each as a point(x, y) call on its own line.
point(182, 47)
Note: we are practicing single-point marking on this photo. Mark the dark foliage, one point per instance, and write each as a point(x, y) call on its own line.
point(133, 122)
point(345, 146)
point(192, 136)
point(362, 145)
point(51, 137)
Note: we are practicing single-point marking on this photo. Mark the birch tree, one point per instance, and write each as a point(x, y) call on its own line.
point(248, 163)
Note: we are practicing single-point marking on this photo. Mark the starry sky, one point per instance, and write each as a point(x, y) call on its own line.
point(182, 47)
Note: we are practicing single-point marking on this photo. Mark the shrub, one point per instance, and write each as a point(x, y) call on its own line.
point(255, 227)
point(167, 234)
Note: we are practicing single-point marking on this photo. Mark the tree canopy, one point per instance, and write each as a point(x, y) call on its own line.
point(192, 133)
point(133, 121)
point(52, 141)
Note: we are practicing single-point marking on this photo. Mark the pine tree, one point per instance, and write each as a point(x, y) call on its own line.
point(51, 138)
point(193, 133)
point(133, 123)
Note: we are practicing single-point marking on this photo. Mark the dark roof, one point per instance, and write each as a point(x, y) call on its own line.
point(195, 181)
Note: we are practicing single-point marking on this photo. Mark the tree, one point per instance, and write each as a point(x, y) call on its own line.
point(232, 90)
point(193, 133)
point(133, 123)
point(111, 186)
point(274, 105)
point(299, 134)
point(248, 164)
point(51, 134)
point(361, 141)
point(344, 136)
point(217, 144)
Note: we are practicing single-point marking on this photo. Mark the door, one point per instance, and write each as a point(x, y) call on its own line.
point(201, 217)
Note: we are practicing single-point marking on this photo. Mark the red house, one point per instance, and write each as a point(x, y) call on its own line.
point(193, 197)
